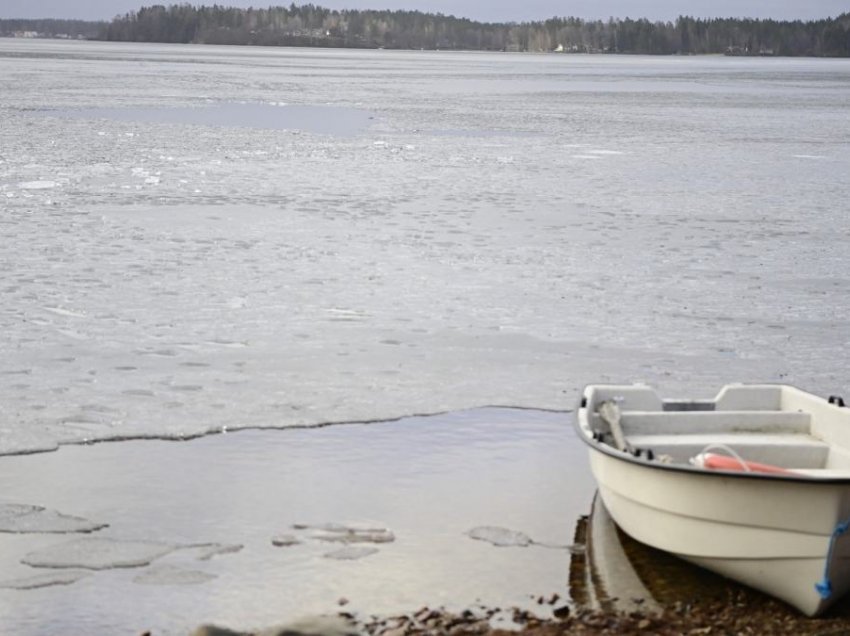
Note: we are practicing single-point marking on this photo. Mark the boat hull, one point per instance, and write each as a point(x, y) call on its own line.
point(770, 534)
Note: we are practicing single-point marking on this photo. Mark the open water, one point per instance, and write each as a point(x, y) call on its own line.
point(197, 239)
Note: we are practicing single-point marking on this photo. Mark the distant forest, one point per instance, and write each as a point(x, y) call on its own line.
point(310, 25)
point(50, 28)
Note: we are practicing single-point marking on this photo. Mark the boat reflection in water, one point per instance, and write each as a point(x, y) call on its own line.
point(617, 573)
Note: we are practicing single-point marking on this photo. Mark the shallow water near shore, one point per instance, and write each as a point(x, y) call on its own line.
point(427, 480)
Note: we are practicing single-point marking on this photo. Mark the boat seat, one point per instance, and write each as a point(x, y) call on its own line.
point(787, 450)
point(654, 422)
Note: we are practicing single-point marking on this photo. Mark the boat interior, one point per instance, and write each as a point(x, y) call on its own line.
point(777, 425)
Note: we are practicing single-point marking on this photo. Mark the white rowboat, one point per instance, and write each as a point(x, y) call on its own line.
point(784, 532)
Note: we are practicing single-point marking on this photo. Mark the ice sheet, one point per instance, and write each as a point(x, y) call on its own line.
point(170, 278)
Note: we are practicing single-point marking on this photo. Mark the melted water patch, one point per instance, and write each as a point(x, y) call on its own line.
point(323, 120)
point(351, 553)
point(172, 575)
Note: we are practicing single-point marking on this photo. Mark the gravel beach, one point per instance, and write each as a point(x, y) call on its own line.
point(741, 613)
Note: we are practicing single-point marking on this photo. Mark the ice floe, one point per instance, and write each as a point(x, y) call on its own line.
point(98, 554)
point(504, 538)
point(26, 518)
point(501, 537)
point(339, 533)
point(356, 536)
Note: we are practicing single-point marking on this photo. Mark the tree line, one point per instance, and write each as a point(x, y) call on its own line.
point(311, 25)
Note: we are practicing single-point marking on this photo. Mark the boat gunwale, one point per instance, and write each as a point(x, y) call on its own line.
point(612, 452)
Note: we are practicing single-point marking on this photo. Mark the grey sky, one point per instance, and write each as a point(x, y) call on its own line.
point(486, 10)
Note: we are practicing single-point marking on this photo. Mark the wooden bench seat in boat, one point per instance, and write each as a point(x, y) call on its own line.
point(788, 450)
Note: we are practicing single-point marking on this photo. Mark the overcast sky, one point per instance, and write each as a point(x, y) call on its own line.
point(485, 10)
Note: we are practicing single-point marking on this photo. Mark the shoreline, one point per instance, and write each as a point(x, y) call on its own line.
point(330, 47)
point(739, 613)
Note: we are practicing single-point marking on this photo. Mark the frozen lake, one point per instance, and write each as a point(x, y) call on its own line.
point(199, 239)
point(503, 230)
